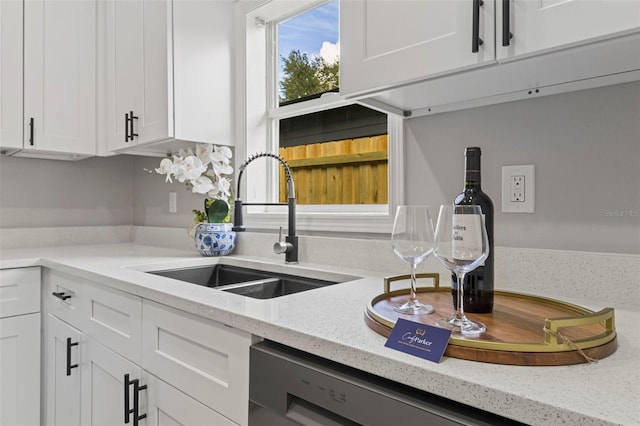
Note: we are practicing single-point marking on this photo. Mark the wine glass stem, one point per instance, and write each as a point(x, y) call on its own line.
point(460, 296)
point(413, 282)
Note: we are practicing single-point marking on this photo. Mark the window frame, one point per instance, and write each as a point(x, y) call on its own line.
point(257, 130)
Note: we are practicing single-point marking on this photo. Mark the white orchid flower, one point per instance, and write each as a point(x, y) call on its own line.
point(222, 189)
point(221, 168)
point(207, 171)
point(221, 154)
point(202, 185)
point(190, 169)
point(165, 169)
point(203, 152)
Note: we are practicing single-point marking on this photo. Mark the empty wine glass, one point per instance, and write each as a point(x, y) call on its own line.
point(461, 245)
point(412, 241)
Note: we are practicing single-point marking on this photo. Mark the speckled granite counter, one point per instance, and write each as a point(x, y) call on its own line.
point(328, 322)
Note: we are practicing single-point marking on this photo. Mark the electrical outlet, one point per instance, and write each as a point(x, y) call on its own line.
point(173, 202)
point(518, 189)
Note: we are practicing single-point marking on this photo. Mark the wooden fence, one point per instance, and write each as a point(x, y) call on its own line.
point(351, 171)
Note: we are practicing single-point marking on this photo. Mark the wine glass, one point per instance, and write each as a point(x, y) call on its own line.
point(412, 241)
point(461, 245)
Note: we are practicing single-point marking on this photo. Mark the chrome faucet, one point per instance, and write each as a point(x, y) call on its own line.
point(290, 246)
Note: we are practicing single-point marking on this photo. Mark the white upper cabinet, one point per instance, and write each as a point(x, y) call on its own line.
point(386, 43)
point(540, 26)
point(203, 63)
point(57, 89)
point(168, 74)
point(415, 58)
point(137, 48)
point(11, 74)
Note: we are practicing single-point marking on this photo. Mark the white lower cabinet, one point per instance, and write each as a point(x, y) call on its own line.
point(104, 396)
point(20, 346)
point(20, 370)
point(209, 360)
point(168, 406)
point(167, 368)
point(63, 343)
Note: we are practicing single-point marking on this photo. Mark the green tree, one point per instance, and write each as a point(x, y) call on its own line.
point(306, 76)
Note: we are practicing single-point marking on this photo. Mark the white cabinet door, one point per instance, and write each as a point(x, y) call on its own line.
point(168, 406)
point(113, 318)
point(64, 344)
point(19, 291)
point(20, 370)
point(203, 63)
point(138, 52)
point(103, 387)
point(205, 359)
point(386, 43)
point(60, 76)
point(11, 74)
point(539, 26)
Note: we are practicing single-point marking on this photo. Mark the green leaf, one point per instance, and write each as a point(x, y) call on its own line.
point(217, 210)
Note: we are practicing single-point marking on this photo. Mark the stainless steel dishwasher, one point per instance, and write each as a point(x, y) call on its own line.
point(290, 387)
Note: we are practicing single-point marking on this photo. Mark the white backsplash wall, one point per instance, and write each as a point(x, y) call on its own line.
point(36, 193)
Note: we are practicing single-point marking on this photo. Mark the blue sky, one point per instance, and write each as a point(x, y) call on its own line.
point(306, 32)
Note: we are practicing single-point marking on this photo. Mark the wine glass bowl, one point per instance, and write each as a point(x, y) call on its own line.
point(461, 245)
point(412, 241)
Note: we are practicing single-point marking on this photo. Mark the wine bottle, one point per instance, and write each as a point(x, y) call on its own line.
point(478, 284)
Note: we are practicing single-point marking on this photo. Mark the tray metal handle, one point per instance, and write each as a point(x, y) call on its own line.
point(389, 280)
point(605, 317)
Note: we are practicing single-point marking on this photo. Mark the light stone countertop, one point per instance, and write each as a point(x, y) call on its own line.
point(329, 322)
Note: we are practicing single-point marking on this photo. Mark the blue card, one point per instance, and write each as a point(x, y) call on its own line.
point(418, 339)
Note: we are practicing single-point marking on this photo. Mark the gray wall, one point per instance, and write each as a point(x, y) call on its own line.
point(586, 149)
point(151, 195)
point(46, 193)
point(585, 145)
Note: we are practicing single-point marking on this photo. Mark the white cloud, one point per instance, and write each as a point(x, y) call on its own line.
point(330, 52)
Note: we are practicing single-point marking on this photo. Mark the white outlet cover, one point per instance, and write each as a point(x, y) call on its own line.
point(529, 203)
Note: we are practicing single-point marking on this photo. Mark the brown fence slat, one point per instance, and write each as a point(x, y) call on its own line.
point(351, 171)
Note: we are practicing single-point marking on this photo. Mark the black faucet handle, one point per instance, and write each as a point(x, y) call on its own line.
point(238, 224)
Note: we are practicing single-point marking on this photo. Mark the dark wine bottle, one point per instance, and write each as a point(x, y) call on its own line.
point(478, 284)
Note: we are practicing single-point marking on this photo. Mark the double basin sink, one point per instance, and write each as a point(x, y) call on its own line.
point(254, 283)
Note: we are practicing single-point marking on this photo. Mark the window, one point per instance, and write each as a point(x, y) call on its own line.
point(345, 156)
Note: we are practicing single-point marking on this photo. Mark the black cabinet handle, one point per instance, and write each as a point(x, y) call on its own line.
point(476, 41)
point(136, 400)
point(31, 130)
point(506, 33)
point(126, 127)
point(131, 118)
point(127, 411)
point(61, 295)
point(69, 365)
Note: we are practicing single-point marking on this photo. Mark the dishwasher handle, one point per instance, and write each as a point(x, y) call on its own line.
point(308, 414)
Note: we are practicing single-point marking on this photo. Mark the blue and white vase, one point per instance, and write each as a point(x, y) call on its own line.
point(215, 239)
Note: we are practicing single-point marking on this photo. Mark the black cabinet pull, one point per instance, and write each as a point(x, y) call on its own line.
point(126, 127)
point(131, 118)
point(61, 295)
point(127, 411)
point(31, 130)
point(476, 41)
point(69, 365)
point(136, 403)
point(506, 33)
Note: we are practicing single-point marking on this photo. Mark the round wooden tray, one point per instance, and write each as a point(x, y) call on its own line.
point(521, 330)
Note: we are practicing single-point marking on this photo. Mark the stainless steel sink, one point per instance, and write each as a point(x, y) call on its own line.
point(245, 281)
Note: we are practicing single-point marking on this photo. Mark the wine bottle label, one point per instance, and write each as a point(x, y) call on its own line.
point(466, 237)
